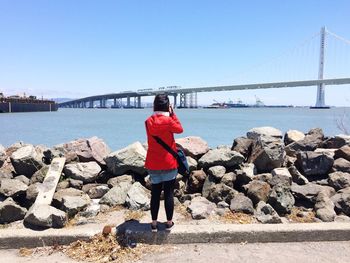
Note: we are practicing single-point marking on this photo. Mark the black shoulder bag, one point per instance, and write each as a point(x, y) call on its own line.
point(180, 156)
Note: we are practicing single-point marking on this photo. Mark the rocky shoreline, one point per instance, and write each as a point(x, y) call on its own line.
point(266, 175)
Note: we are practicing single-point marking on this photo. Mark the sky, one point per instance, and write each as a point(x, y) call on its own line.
point(80, 48)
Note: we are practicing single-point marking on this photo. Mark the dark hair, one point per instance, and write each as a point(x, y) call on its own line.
point(161, 103)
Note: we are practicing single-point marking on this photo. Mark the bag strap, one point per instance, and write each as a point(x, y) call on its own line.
point(164, 145)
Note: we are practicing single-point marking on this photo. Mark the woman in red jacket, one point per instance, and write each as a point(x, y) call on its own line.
point(161, 165)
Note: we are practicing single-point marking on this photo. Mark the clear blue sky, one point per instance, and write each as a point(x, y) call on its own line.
point(81, 48)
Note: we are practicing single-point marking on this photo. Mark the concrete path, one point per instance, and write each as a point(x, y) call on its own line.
point(312, 252)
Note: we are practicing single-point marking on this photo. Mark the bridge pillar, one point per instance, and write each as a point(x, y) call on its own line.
point(128, 102)
point(320, 99)
point(91, 104)
point(175, 100)
point(115, 102)
point(139, 102)
point(183, 100)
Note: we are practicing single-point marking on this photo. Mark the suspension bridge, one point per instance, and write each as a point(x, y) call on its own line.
point(187, 97)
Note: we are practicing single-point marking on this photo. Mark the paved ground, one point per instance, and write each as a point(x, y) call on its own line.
point(318, 252)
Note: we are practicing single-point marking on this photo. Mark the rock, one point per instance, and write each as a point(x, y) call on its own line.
point(256, 133)
point(91, 210)
point(58, 196)
point(217, 172)
point(245, 175)
point(258, 191)
point(342, 219)
point(266, 214)
point(23, 179)
point(221, 192)
point(311, 163)
point(341, 201)
point(5, 176)
point(324, 207)
point(117, 195)
point(341, 165)
point(12, 188)
point(200, 208)
point(87, 150)
point(306, 194)
point(97, 191)
point(86, 172)
point(297, 177)
point(330, 152)
point(193, 146)
point(26, 160)
point(3, 156)
point(339, 180)
point(73, 204)
point(267, 154)
point(39, 176)
point(209, 182)
point(343, 152)
point(192, 163)
point(33, 191)
point(130, 159)
point(223, 204)
point(312, 140)
point(196, 181)
point(77, 184)
point(10, 211)
point(241, 203)
point(122, 178)
point(337, 141)
point(138, 197)
point(280, 176)
point(46, 216)
point(62, 185)
point(220, 156)
point(264, 177)
point(229, 179)
point(293, 136)
point(243, 146)
point(281, 199)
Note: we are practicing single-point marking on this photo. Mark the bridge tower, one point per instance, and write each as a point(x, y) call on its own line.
point(320, 99)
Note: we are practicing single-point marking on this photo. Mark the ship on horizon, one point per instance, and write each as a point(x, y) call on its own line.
point(17, 103)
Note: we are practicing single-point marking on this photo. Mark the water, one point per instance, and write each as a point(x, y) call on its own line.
point(120, 127)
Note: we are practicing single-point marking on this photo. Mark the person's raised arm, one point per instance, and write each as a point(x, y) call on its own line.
point(175, 125)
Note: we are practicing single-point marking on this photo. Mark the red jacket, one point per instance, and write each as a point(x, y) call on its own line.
point(164, 127)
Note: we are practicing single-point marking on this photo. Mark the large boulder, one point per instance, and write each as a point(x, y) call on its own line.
point(200, 208)
point(209, 182)
point(341, 201)
point(217, 172)
point(313, 139)
point(229, 179)
point(280, 176)
point(267, 154)
point(26, 160)
point(73, 204)
point(343, 152)
point(87, 150)
point(221, 156)
point(339, 180)
point(86, 172)
point(33, 191)
point(258, 191)
point(293, 136)
point(314, 164)
point(341, 165)
point(122, 178)
point(10, 211)
point(97, 191)
point(258, 132)
point(117, 195)
point(196, 181)
point(306, 194)
point(324, 207)
point(281, 199)
point(244, 175)
point(242, 145)
point(221, 192)
point(3, 155)
point(193, 146)
point(138, 197)
point(337, 141)
point(297, 177)
point(192, 163)
point(241, 203)
point(129, 159)
point(46, 216)
point(39, 176)
point(266, 214)
point(58, 196)
point(12, 188)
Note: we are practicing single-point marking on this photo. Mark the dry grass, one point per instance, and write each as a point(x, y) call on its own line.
point(134, 215)
point(182, 210)
point(297, 216)
point(237, 218)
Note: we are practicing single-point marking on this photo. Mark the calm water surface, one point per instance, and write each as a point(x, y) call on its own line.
point(120, 127)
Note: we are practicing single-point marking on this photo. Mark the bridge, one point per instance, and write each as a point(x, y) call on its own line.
point(187, 97)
